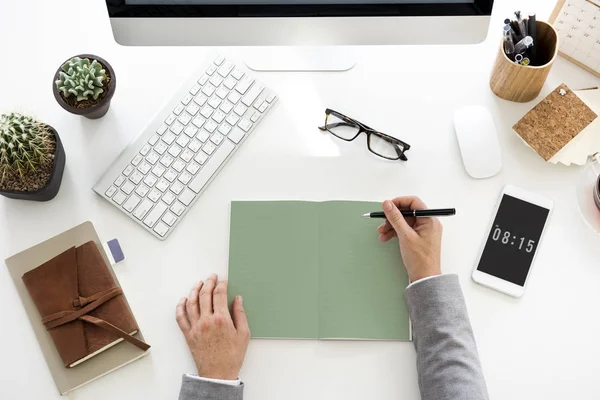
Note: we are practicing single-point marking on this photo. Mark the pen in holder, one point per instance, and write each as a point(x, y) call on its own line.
point(522, 83)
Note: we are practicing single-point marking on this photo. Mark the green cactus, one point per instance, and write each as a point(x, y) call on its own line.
point(81, 78)
point(25, 145)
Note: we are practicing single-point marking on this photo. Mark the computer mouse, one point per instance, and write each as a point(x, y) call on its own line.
point(478, 141)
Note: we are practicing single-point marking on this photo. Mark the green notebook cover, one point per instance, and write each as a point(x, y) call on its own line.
point(310, 270)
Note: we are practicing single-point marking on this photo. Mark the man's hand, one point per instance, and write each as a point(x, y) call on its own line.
point(218, 343)
point(420, 238)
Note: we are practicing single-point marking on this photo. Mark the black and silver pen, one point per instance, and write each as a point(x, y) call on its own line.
point(443, 212)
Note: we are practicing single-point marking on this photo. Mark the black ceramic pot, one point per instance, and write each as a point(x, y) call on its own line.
point(98, 110)
point(49, 191)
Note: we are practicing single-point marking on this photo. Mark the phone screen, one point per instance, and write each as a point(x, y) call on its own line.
point(513, 240)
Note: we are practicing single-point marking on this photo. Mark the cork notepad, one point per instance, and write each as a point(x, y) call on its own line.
point(554, 122)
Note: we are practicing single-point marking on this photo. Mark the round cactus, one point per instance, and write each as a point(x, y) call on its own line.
point(81, 78)
point(25, 145)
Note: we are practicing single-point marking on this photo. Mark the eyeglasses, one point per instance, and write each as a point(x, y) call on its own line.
point(348, 129)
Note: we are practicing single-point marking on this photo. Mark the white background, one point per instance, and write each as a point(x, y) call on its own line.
point(543, 346)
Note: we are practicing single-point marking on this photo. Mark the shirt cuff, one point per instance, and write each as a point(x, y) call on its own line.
point(237, 382)
point(423, 280)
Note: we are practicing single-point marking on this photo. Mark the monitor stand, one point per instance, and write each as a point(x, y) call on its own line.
point(329, 58)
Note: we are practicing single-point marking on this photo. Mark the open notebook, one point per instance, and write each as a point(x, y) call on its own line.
point(311, 270)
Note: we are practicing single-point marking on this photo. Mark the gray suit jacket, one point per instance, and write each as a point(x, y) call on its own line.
point(447, 360)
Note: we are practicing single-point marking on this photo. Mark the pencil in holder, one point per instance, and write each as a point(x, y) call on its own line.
point(522, 83)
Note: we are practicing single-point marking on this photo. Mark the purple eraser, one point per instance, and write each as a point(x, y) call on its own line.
point(115, 249)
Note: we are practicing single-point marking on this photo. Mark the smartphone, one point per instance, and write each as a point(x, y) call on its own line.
point(507, 255)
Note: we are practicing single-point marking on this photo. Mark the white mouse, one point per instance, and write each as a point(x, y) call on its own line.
point(478, 141)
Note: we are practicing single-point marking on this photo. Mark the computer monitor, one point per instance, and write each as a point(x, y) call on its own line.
point(316, 24)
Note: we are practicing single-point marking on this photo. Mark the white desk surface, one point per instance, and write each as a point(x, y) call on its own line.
point(543, 346)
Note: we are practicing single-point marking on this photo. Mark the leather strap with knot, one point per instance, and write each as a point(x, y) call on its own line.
point(89, 304)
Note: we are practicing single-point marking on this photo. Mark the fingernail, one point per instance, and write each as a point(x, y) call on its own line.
point(381, 226)
point(213, 277)
point(241, 300)
point(182, 299)
point(387, 205)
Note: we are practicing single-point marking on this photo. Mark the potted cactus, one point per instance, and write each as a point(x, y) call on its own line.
point(84, 85)
point(32, 158)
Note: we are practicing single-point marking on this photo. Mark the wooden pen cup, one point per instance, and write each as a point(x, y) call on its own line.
point(522, 83)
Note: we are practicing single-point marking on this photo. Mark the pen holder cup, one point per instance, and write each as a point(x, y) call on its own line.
point(522, 83)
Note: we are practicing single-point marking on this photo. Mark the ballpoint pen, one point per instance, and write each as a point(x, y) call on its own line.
point(443, 212)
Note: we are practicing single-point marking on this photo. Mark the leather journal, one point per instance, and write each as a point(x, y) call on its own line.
point(81, 305)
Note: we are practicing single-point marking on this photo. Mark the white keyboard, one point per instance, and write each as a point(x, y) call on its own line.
point(161, 174)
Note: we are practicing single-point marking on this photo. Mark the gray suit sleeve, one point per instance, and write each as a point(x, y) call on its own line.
point(447, 362)
point(195, 389)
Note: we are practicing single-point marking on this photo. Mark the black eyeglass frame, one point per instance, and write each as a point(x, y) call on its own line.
point(400, 146)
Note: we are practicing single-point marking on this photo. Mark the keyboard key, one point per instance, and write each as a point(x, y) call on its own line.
point(175, 150)
point(252, 95)
point(206, 112)
point(211, 70)
point(216, 80)
point(153, 140)
point(201, 158)
point(155, 214)
point(177, 128)
point(177, 187)
point(218, 116)
point(182, 140)
point(141, 210)
point(193, 168)
point(144, 167)
point(162, 129)
point(255, 117)
point(234, 97)
point(154, 195)
point(170, 175)
point(202, 135)
point(167, 160)
point(119, 181)
point(226, 107)
point(170, 119)
point(193, 109)
point(128, 170)
point(119, 198)
point(263, 107)
point(111, 190)
point(168, 197)
point(198, 121)
point(200, 100)
point(232, 119)
point(194, 146)
point(136, 160)
point(168, 138)
point(158, 170)
point(178, 109)
point(214, 102)
point(208, 90)
point(178, 208)
point(225, 128)
point(237, 73)
point(185, 178)
point(240, 109)
point(222, 92)
point(209, 169)
point(142, 190)
point(244, 84)
point(162, 185)
point(230, 83)
point(152, 158)
point(161, 147)
point(186, 100)
point(203, 79)
point(190, 131)
point(128, 187)
point(169, 218)
point(236, 135)
point(150, 180)
point(178, 165)
point(245, 125)
point(145, 150)
point(225, 69)
point(184, 118)
point(210, 126)
point(209, 148)
point(161, 229)
point(270, 98)
point(186, 197)
point(195, 89)
point(188, 154)
point(136, 177)
point(131, 203)
point(216, 138)
point(219, 60)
